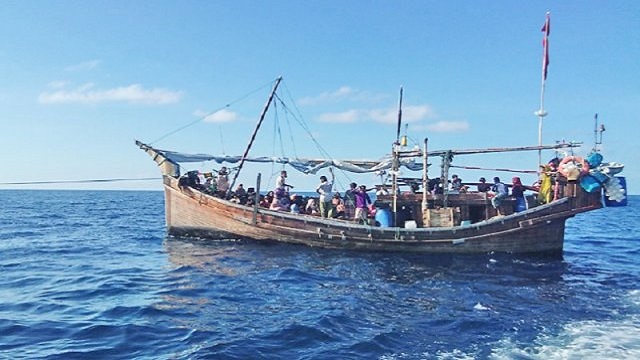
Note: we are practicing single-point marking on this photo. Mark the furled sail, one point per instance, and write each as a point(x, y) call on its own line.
point(307, 166)
point(408, 159)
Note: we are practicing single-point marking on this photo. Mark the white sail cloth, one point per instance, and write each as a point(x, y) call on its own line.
point(307, 166)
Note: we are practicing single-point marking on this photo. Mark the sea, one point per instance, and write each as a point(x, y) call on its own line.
point(93, 275)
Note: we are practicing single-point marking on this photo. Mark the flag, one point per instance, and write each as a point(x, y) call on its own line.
point(546, 29)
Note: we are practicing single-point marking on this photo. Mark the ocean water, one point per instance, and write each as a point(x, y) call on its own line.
point(91, 275)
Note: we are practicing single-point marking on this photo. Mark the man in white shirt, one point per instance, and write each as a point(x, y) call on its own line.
point(324, 189)
point(281, 186)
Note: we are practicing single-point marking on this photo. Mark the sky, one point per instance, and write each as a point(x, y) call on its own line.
point(80, 80)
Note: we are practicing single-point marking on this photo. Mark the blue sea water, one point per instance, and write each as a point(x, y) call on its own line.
point(91, 275)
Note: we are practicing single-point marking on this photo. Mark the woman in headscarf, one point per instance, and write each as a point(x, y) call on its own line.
point(517, 190)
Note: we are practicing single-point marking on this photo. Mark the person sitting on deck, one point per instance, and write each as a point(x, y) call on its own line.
point(210, 186)
point(241, 192)
point(337, 207)
point(193, 180)
point(267, 200)
point(251, 196)
point(296, 204)
point(381, 190)
point(281, 204)
point(235, 199)
point(501, 191)
point(456, 183)
point(435, 186)
point(312, 207)
point(483, 186)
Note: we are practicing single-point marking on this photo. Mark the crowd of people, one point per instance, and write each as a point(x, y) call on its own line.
point(498, 191)
point(354, 205)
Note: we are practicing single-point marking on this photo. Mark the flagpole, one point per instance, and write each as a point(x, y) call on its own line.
point(541, 113)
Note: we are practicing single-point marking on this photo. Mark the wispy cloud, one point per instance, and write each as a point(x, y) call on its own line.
point(134, 93)
point(421, 116)
point(84, 66)
point(448, 126)
point(348, 116)
point(415, 113)
point(57, 84)
point(329, 96)
point(343, 94)
point(220, 116)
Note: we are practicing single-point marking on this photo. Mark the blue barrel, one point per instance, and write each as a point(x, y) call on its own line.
point(383, 217)
point(623, 184)
point(590, 183)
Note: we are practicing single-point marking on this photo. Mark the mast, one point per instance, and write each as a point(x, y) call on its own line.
point(425, 178)
point(395, 163)
point(255, 132)
point(541, 113)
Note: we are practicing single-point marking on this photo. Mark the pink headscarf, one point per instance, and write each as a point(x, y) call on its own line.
point(516, 181)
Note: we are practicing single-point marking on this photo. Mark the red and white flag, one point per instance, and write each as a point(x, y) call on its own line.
point(546, 29)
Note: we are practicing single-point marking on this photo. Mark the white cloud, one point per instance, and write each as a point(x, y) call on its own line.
point(348, 116)
point(84, 66)
point(385, 116)
point(220, 116)
point(448, 126)
point(330, 96)
point(57, 84)
point(415, 113)
point(133, 94)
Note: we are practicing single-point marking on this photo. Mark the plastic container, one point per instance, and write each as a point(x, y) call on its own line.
point(623, 184)
point(383, 217)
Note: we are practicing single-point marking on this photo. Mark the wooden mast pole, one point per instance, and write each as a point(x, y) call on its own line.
point(255, 132)
point(425, 178)
point(395, 164)
point(541, 113)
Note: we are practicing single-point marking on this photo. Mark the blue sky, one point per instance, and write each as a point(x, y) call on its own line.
point(80, 80)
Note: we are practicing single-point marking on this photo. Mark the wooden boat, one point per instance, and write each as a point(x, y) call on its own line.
point(423, 222)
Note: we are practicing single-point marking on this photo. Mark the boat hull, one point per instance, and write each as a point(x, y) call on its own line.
point(194, 214)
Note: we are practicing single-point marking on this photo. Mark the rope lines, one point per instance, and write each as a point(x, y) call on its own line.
point(77, 181)
point(211, 113)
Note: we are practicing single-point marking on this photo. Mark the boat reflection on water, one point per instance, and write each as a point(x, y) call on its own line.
point(236, 258)
point(208, 256)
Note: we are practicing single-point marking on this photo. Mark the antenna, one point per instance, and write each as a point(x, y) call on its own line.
point(597, 134)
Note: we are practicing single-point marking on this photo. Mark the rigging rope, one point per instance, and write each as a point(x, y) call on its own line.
point(298, 118)
point(211, 113)
point(78, 181)
point(481, 168)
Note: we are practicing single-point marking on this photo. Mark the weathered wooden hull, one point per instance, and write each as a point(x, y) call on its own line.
point(540, 229)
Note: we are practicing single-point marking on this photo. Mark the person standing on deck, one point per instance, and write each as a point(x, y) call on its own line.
point(350, 201)
point(517, 190)
point(501, 191)
point(362, 202)
point(325, 189)
point(222, 182)
point(282, 188)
